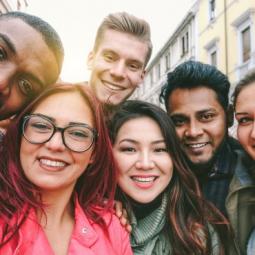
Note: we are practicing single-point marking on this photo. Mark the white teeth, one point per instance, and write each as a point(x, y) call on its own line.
point(195, 146)
point(52, 163)
point(144, 179)
point(113, 87)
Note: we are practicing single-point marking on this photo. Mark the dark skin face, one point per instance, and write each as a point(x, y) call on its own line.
point(27, 65)
point(200, 122)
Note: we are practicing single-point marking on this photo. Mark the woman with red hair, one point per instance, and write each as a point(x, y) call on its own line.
point(56, 171)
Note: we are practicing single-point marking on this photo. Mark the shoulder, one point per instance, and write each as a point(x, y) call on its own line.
point(113, 236)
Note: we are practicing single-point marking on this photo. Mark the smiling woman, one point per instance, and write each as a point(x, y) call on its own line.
point(56, 169)
point(165, 207)
point(244, 182)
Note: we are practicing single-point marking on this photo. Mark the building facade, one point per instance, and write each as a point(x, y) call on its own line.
point(217, 32)
point(226, 36)
point(12, 5)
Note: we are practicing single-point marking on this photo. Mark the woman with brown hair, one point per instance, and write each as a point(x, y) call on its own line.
point(165, 207)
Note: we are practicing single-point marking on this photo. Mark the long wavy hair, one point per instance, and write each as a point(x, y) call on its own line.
point(188, 214)
point(95, 188)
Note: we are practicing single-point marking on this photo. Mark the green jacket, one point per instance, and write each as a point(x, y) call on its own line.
point(240, 201)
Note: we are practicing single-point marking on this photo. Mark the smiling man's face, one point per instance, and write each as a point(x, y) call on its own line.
point(27, 65)
point(117, 66)
point(200, 122)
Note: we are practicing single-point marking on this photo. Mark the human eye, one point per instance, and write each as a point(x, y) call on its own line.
point(178, 121)
point(3, 54)
point(109, 57)
point(79, 133)
point(41, 126)
point(207, 116)
point(128, 149)
point(25, 87)
point(244, 121)
point(160, 149)
point(134, 66)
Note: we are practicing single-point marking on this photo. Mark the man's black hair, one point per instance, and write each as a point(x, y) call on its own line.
point(48, 33)
point(193, 74)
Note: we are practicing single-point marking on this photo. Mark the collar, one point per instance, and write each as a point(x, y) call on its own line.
point(143, 230)
point(83, 230)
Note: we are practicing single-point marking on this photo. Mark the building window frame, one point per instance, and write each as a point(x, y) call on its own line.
point(211, 48)
point(167, 62)
point(185, 42)
point(158, 70)
point(212, 9)
point(241, 24)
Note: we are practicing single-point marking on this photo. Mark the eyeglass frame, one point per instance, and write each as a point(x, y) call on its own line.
point(58, 129)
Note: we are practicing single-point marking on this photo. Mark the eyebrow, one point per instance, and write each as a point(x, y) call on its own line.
point(136, 142)
point(8, 42)
point(53, 120)
point(241, 113)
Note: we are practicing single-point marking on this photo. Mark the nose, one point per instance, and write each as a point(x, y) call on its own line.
point(194, 129)
point(118, 69)
point(6, 74)
point(145, 161)
point(56, 143)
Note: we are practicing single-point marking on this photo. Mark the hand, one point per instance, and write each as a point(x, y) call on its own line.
point(121, 213)
point(4, 124)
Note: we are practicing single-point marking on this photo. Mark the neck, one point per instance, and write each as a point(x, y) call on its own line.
point(58, 207)
point(142, 210)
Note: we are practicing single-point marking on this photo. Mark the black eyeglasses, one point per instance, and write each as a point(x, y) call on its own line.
point(38, 129)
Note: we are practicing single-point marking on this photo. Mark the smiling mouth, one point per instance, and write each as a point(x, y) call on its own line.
point(48, 163)
point(144, 179)
point(195, 146)
point(113, 87)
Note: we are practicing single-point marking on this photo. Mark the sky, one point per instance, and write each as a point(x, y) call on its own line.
point(76, 22)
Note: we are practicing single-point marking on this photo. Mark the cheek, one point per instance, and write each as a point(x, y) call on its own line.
point(242, 136)
point(179, 132)
point(135, 79)
point(83, 160)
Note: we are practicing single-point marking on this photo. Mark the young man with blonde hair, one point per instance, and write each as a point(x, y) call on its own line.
point(117, 62)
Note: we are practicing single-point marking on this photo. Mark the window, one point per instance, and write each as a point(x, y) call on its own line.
point(246, 44)
point(167, 61)
point(213, 56)
point(211, 9)
point(185, 43)
point(158, 71)
point(212, 49)
point(151, 77)
point(245, 29)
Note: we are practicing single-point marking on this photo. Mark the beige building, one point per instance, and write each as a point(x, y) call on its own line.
point(180, 46)
point(226, 35)
point(218, 32)
point(12, 5)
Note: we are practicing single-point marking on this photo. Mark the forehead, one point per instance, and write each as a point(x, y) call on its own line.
point(76, 108)
point(246, 97)
point(124, 44)
point(191, 101)
point(32, 53)
point(141, 127)
point(20, 33)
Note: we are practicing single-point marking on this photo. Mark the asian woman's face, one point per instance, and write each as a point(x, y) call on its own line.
point(51, 165)
point(145, 166)
point(245, 116)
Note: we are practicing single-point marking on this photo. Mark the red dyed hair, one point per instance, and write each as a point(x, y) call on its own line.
point(96, 184)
